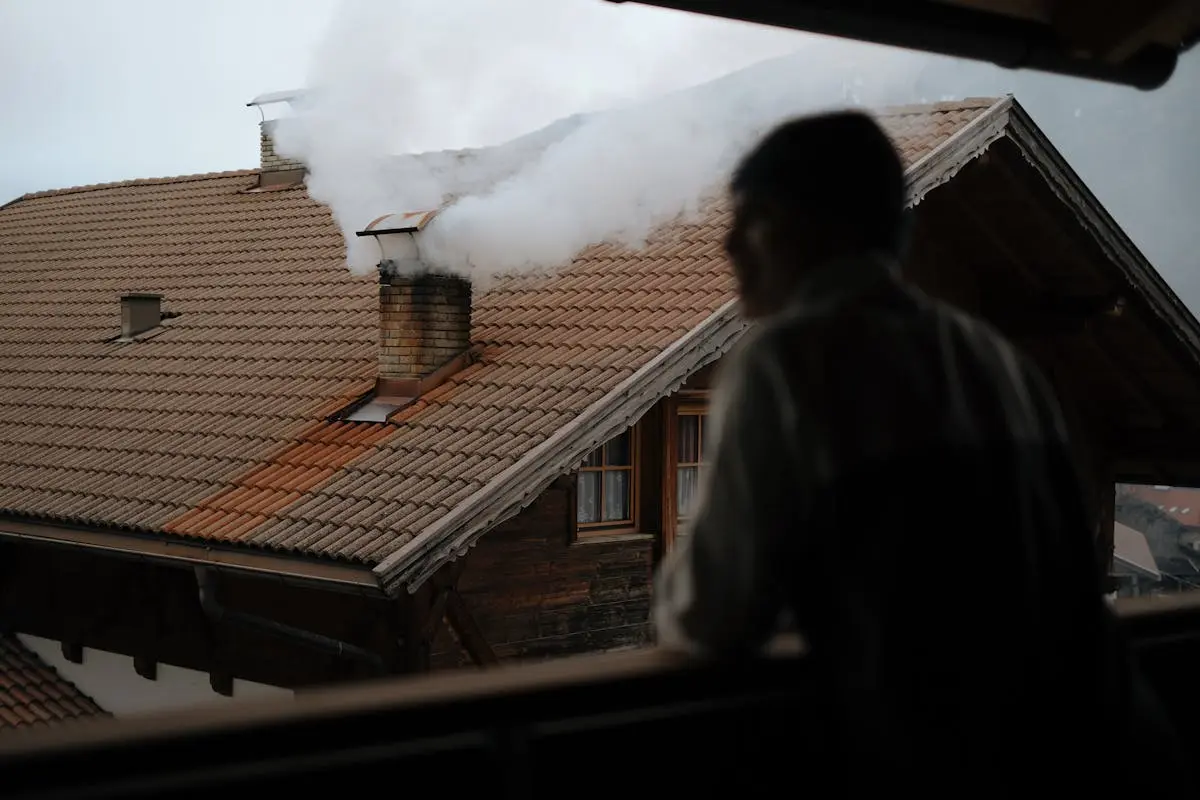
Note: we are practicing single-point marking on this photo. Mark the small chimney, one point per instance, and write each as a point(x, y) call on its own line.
point(424, 326)
point(271, 160)
point(424, 319)
point(275, 170)
point(140, 312)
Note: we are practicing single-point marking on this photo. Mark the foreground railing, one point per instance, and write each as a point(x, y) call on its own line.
point(592, 725)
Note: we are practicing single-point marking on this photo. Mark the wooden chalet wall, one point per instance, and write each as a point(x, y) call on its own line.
point(535, 593)
point(537, 590)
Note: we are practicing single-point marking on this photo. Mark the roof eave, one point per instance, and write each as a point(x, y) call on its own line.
point(159, 549)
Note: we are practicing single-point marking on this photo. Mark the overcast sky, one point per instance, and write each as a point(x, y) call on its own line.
point(103, 91)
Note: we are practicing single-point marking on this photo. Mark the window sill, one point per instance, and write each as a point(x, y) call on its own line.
point(612, 538)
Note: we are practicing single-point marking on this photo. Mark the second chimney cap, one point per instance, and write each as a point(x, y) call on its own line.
point(141, 296)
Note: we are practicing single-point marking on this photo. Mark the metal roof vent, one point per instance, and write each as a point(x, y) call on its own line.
point(140, 312)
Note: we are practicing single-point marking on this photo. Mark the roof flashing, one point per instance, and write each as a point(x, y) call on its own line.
point(378, 409)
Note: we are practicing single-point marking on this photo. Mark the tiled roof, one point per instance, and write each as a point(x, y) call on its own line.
point(215, 429)
point(32, 693)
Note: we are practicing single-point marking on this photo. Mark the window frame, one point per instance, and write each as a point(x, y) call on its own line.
point(688, 408)
point(585, 531)
point(688, 401)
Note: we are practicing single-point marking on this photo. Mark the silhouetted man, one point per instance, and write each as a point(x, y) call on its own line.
point(896, 478)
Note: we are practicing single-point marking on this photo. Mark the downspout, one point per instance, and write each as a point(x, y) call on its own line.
point(217, 613)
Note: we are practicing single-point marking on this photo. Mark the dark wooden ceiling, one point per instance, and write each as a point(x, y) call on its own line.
point(1134, 42)
point(999, 243)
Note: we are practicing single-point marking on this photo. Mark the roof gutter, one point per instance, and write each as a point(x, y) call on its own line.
point(173, 552)
point(944, 29)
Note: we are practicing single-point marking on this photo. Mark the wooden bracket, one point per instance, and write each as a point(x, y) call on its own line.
point(146, 666)
point(221, 683)
point(73, 652)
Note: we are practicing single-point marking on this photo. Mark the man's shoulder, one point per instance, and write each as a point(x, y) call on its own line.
point(1011, 365)
point(976, 331)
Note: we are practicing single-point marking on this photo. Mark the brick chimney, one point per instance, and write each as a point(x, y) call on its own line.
point(424, 328)
point(271, 160)
point(275, 171)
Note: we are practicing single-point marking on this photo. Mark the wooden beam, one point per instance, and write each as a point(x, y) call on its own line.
point(1033, 10)
point(146, 666)
point(1116, 30)
point(1147, 447)
point(437, 612)
point(1181, 473)
point(221, 683)
point(468, 630)
point(415, 646)
point(73, 652)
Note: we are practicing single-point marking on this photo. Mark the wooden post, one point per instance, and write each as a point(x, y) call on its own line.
point(146, 662)
point(669, 522)
point(1106, 518)
point(1095, 469)
point(468, 630)
point(415, 647)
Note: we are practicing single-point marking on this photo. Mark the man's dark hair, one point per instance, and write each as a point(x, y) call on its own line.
point(839, 169)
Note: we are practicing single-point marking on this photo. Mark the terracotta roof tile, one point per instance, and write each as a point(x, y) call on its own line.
point(217, 427)
point(32, 693)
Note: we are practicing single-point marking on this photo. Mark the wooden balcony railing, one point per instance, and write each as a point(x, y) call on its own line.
point(618, 724)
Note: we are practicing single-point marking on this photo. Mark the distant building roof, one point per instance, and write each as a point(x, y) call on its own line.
point(33, 693)
point(1131, 550)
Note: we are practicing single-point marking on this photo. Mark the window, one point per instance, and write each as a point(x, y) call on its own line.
point(691, 434)
point(604, 491)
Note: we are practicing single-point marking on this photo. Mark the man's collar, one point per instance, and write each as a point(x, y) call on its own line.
point(844, 277)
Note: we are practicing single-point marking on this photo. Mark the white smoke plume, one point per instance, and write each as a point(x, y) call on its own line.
point(646, 124)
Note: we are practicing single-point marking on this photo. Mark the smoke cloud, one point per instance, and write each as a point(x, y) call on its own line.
point(597, 122)
point(553, 124)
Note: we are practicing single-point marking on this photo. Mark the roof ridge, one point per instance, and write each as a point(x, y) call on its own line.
point(93, 187)
point(964, 104)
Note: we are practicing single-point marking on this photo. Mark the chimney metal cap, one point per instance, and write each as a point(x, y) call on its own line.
point(405, 222)
point(286, 96)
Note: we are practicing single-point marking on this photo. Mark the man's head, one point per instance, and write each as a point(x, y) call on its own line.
point(813, 190)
